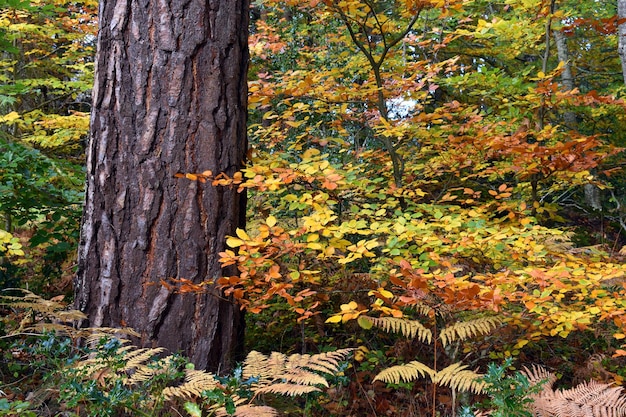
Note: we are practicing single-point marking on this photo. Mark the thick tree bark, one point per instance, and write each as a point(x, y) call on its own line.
point(621, 33)
point(170, 96)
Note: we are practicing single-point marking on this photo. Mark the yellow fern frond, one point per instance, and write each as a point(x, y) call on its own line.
point(278, 366)
point(31, 301)
point(423, 309)
point(327, 362)
point(466, 329)
point(304, 377)
point(265, 368)
point(137, 357)
point(284, 388)
point(459, 378)
point(407, 373)
point(408, 328)
point(195, 382)
point(50, 327)
point(50, 309)
point(93, 335)
point(145, 373)
point(293, 375)
point(249, 411)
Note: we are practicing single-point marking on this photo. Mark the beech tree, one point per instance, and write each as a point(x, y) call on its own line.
point(170, 97)
point(621, 33)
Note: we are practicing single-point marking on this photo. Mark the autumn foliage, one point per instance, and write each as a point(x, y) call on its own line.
point(422, 161)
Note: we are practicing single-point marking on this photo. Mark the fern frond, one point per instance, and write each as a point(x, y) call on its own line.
point(50, 327)
point(408, 328)
point(538, 374)
point(293, 375)
point(304, 377)
point(466, 329)
point(249, 411)
point(459, 378)
point(422, 309)
point(51, 309)
point(265, 368)
point(137, 357)
point(93, 335)
point(195, 382)
point(407, 373)
point(145, 373)
point(279, 366)
point(285, 388)
point(588, 399)
point(328, 362)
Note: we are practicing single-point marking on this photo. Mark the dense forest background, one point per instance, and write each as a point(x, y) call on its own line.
point(437, 185)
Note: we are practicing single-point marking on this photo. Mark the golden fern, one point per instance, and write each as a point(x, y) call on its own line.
point(291, 375)
point(408, 328)
point(276, 373)
point(196, 382)
point(407, 373)
point(459, 378)
point(588, 399)
point(31, 301)
point(327, 362)
point(135, 367)
point(49, 315)
point(144, 373)
point(466, 329)
point(136, 358)
point(53, 316)
point(455, 376)
point(249, 411)
point(286, 388)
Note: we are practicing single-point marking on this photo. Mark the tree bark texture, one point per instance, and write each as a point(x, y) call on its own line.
point(169, 97)
point(621, 33)
point(567, 79)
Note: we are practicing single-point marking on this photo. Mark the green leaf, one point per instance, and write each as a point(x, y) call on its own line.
point(193, 409)
point(365, 322)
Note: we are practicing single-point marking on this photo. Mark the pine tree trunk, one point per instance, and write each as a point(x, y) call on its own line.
point(169, 97)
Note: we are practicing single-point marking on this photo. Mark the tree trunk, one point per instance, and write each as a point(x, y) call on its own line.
point(621, 33)
point(591, 191)
point(170, 96)
point(567, 79)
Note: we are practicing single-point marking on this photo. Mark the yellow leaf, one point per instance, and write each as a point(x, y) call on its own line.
point(619, 335)
point(594, 310)
point(233, 242)
point(525, 221)
point(385, 293)
point(270, 221)
point(314, 237)
point(242, 234)
point(334, 319)
point(521, 343)
point(294, 124)
point(314, 246)
point(9, 117)
point(350, 306)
